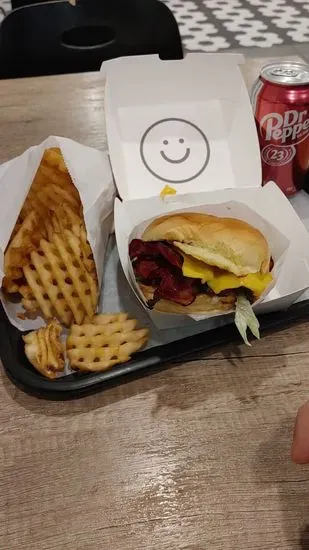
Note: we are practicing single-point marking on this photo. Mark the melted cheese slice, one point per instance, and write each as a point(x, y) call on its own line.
point(219, 280)
point(196, 269)
point(257, 282)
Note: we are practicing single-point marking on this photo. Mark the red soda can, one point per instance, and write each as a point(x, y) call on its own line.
point(280, 100)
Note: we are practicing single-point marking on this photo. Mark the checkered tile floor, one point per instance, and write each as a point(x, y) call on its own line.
point(217, 25)
point(212, 25)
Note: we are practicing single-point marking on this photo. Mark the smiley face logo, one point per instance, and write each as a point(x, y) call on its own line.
point(175, 161)
point(174, 150)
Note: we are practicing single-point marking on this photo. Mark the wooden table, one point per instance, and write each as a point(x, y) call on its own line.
point(195, 457)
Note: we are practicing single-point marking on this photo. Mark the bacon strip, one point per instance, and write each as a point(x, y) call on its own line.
point(156, 249)
point(182, 290)
point(159, 265)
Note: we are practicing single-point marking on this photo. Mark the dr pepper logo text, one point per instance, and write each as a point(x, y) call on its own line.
point(289, 128)
point(282, 132)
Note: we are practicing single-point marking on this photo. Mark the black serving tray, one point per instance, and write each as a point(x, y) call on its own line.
point(20, 371)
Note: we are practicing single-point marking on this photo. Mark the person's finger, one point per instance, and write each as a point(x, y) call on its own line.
point(300, 445)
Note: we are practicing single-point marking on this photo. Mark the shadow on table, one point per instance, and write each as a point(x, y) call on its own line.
point(80, 405)
point(291, 482)
point(304, 538)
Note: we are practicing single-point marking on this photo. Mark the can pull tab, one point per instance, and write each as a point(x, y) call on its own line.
point(286, 73)
point(280, 71)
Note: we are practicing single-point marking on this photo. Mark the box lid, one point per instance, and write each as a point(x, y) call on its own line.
point(187, 123)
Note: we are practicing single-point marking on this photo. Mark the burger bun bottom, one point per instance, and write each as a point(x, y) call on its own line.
point(203, 303)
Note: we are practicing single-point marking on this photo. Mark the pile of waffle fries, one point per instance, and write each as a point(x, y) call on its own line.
point(49, 264)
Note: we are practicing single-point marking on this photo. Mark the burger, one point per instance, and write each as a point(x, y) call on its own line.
point(202, 264)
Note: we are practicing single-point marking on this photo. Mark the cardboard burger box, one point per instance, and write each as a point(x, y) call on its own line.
point(189, 124)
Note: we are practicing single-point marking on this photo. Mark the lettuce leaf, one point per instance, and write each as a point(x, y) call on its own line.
point(245, 318)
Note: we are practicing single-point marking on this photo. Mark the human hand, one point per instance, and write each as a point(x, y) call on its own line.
point(300, 445)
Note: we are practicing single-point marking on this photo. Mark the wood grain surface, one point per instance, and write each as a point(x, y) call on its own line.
point(192, 458)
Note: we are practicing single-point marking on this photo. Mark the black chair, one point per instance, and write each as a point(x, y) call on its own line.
point(56, 37)
point(21, 3)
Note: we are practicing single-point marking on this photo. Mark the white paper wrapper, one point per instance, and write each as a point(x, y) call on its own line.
point(91, 174)
point(265, 208)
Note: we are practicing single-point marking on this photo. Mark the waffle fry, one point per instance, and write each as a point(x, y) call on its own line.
point(53, 196)
point(84, 275)
point(30, 305)
point(107, 329)
point(108, 340)
point(53, 157)
point(10, 286)
point(59, 281)
point(48, 260)
point(52, 186)
point(44, 349)
point(42, 298)
point(17, 253)
point(108, 318)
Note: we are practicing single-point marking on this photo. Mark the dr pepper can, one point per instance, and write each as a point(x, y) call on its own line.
point(280, 100)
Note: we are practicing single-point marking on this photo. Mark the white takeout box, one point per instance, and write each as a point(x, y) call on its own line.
point(189, 124)
point(91, 174)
